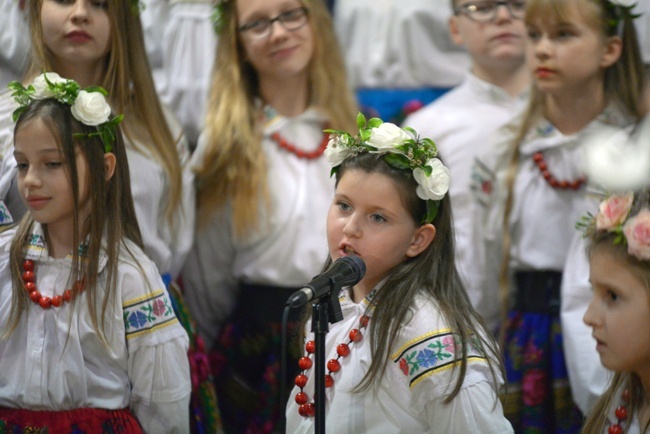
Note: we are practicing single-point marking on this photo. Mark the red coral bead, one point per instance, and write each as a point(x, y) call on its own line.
point(333, 365)
point(564, 184)
point(28, 265)
point(542, 165)
point(364, 320)
point(626, 396)
point(301, 380)
point(35, 296)
point(303, 410)
point(576, 184)
point(30, 287)
point(45, 302)
point(343, 350)
point(537, 157)
point(304, 363)
point(329, 381)
point(310, 347)
point(301, 398)
point(615, 429)
point(547, 175)
point(57, 301)
point(28, 276)
point(355, 335)
point(67, 295)
point(621, 412)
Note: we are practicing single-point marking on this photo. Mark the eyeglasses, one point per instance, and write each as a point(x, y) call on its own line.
point(291, 20)
point(486, 11)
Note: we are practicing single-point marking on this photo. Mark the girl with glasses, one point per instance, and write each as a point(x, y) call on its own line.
point(263, 191)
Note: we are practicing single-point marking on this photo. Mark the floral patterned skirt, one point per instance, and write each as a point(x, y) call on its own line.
point(246, 361)
point(80, 421)
point(538, 398)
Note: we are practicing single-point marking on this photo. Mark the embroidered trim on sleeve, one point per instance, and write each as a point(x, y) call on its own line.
point(5, 215)
point(147, 314)
point(430, 354)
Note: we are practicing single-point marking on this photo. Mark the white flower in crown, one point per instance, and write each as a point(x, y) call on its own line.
point(338, 149)
point(91, 108)
point(386, 137)
point(42, 88)
point(434, 186)
point(623, 3)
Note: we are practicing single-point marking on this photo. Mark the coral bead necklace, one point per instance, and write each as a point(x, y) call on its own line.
point(307, 408)
point(541, 164)
point(29, 280)
point(307, 155)
point(621, 415)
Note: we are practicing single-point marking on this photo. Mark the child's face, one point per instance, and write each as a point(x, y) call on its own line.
point(76, 31)
point(502, 39)
point(283, 53)
point(619, 314)
point(367, 218)
point(569, 57)
point(43, 176)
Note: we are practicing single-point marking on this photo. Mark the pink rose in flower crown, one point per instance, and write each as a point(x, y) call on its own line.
point(613, 212)
point(637, 234)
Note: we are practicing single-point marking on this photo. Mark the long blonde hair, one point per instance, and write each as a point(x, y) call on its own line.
point(127, 78)
point(623, 82)
point(234, 167)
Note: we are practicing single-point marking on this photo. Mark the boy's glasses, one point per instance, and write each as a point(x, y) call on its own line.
point(291, 20)
point(486, 11)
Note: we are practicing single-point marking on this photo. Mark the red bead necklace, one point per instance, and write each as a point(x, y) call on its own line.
point(621, 414)
point(307, 155)
point(29, 280)
point(538, 158)
point(307, 408)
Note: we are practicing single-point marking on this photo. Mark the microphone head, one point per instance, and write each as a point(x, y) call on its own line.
point(357, 265)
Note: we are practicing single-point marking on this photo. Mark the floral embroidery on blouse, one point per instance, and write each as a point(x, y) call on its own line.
point(147, 314)
point(431, 353)
point(5, 215)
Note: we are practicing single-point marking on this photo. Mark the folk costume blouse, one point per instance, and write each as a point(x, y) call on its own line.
point(542, 220)
point(399, 44)
point(460, 122)
point(291, 246)
point(417, 379)
point(166, 243)
point(54, 359)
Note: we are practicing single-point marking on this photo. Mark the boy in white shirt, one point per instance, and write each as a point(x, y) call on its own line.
point(463, 120)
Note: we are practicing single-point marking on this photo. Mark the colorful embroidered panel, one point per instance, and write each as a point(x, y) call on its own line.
point(5, 215)
point(147, 314)
point(431, 353)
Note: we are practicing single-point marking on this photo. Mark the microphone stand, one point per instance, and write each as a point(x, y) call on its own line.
point(327, 306)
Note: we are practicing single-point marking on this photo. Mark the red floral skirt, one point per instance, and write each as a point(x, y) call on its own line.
point(79, 421)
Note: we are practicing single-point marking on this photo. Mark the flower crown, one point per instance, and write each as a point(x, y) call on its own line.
point(614, 216)
point(217, 14)
point(622, 9)
point(88, 105)
point(402, 149)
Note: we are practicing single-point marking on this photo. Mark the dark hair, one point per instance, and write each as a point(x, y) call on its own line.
point(112, 211)
point(433, 272)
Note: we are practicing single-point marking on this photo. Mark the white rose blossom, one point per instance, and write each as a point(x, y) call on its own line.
point(41, 87)
point(91, 108)
point(337, 150)
point(623, 3)
point(386, 136)
point(432, 187)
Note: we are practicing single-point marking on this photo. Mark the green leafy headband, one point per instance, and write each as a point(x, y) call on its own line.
point(88, 106)
point(402, 148)
point(217, 15)
point(622, 9)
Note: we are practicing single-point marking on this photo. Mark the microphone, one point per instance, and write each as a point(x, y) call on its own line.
point(345, 271)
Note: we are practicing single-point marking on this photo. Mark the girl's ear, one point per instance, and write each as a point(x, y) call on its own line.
point(109, 165)
point(454, 31)
point(612, 51)
point(423, 236)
